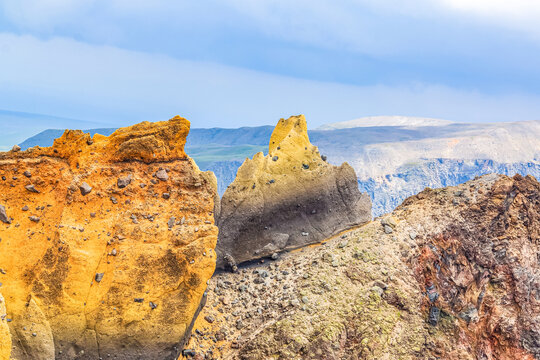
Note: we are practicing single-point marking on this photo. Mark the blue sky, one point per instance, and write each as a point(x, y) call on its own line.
point(239, 63)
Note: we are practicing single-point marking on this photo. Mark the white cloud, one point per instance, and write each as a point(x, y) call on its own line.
point(522, 15)
point(71, 79)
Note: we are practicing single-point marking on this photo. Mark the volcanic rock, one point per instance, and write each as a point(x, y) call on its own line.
point(5, 337)
point(465, 286)
point(50, 283)
point(272, 203)
point(3, 216)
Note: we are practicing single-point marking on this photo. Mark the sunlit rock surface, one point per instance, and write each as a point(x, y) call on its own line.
point(107, 244)
point(288, 198)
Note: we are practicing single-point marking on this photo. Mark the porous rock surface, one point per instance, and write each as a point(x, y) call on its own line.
point(5, 337)
point(452, 273)
point(286, 199)
point(105, 272)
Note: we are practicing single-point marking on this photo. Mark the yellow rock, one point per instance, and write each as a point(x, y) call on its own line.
point(110, 244)
point(287, 199)
point(5, 337)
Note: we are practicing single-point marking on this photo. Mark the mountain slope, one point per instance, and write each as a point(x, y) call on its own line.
point(451, 274)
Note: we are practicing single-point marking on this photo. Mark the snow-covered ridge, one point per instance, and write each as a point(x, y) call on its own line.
point(402, 121)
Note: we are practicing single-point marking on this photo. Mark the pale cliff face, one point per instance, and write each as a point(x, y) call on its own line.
point(108, 244)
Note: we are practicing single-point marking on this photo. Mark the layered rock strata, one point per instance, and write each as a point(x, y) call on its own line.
point(106, 244)
point(286, 199)
point(452, 273)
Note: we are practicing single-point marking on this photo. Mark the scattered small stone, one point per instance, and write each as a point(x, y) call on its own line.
point(16, 148)
point(99, 277)
point(85, 188)
point(162, 175)
point(323, 157)
point(3, 216)
point(89, 142)
point(239, 324)
point(114, 252)
point(114, 200)
point(343, 244)
point(138, 300)
point(274, 256)
point(34, 218)
point(166, 195)
point(275, 158)
point(93, 215)
point(209, 318)
point(272, 181)
point(377, 290)
point(305, 233)
point(434, 313)
point(412, 235)
point(305, 166)
point(27, 173)
point(152, 305)
point(25, 208)
point(188, 353)
point(388, 229)
point(31, 188)
point(123, 182)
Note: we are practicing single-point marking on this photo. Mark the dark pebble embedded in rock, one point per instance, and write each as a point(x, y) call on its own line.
point(123, 182)
point(434, 313)
point(188, 353)
point(3, 216)
point(99, 277)
point(162, 175)
point(31, 188)
point(85, 188)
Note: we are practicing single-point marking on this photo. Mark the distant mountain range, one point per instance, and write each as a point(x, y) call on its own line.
point(394, 157)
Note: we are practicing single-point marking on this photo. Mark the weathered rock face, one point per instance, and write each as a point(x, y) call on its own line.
point(5, 337)
point(451, 274)
point(287, 199)
point(108, 244)
point(484, 266)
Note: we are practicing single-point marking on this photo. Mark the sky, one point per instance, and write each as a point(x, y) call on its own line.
point(234, 63)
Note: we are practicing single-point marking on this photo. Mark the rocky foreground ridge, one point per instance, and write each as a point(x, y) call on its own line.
point(287, 199)
point(452, 273)
point(106, 247)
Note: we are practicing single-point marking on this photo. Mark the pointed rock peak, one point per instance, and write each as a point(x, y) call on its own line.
point(289, 133)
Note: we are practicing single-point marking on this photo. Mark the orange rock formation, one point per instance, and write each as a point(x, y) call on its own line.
point(107, 244)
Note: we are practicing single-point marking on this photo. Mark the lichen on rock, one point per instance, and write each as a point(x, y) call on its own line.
point(288, 198)
point(152, 276)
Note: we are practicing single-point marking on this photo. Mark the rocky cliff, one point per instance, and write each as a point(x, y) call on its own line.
point(287, 199)
point(452, 273)
point(5, 336)
point(106, 244)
